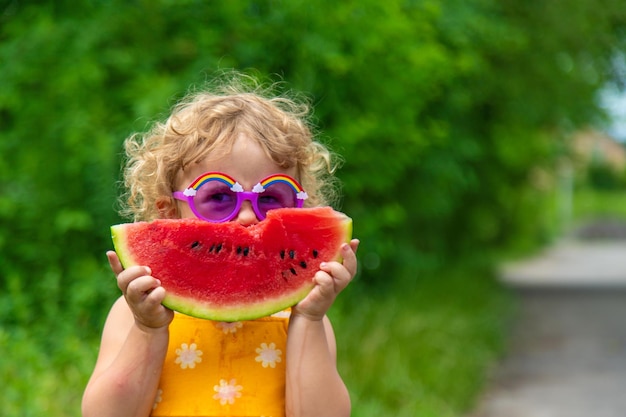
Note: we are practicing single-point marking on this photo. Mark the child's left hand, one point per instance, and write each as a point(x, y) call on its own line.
point(330, 280)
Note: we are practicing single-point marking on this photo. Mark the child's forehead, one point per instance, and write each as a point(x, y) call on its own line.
point(245, 159)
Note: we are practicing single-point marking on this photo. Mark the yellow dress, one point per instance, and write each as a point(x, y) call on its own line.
point(224, 369)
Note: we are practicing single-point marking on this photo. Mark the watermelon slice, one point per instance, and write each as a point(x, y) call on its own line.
point(229, 272)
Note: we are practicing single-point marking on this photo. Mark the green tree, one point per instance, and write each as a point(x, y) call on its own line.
point(445, 112)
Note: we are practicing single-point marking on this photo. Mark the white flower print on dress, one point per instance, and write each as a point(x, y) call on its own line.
point(268, 355)
point(188, 356)
point(158, 398)
point(227, 327)
point(285, 314)
point(227, 391)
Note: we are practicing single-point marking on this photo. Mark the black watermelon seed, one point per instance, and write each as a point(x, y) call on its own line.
point(292, 254)
point(218, 248)
point(303, 264)
point(196, 245)
point(246, 251)
point(293, 271)
point(211, 248)
point(315, 253)
point(282, 254)
point(239, 250)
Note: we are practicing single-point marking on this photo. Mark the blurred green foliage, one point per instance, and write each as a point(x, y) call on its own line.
point(451, 115)
point(422, 350)
point(602, 176)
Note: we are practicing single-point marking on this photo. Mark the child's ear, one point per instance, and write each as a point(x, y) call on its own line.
point(167, 208)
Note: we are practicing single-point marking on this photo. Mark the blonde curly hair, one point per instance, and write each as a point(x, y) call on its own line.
point(206, 123)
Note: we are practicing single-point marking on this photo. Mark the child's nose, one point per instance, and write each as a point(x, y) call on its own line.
point(246, 215)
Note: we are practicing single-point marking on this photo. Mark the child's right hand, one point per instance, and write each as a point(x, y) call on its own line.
point(143, 294)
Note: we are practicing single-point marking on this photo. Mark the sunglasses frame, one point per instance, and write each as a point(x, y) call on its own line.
point(253, 195)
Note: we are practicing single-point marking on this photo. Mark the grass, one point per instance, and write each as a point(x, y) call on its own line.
point(425, 350)
point(43, 376)
point(421, 347)
point(419, 351)
point(590, 204)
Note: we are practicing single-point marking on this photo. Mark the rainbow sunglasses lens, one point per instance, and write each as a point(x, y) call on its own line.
point(215, 200)
point(217, 197)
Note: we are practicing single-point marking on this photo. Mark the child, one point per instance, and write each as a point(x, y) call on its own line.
point(153, 361)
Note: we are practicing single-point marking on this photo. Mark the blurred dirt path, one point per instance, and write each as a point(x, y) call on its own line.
point(567, 354)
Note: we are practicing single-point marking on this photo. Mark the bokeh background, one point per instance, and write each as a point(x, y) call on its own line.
point(472, 131)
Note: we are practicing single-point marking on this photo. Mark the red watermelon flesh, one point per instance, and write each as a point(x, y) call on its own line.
point(229, 272)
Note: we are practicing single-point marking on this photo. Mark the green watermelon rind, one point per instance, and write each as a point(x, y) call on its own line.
point(247, 312)
point(118, 235)
point(199, 309)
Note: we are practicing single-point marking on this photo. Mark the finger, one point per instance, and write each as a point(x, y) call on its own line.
point(325, 283)
point(339, 274)
point(354, 244)
point(114, 262)
point(155, 296)
point(139, 288)
point(127, 276)
point(348, 252)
